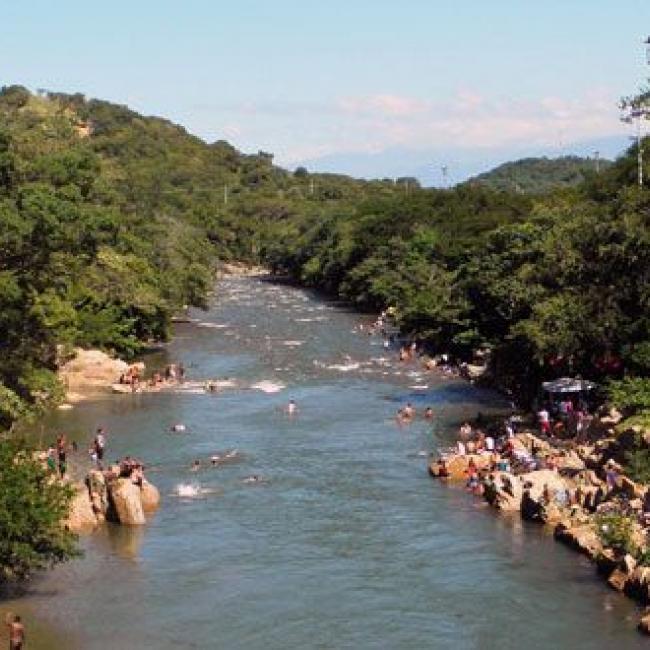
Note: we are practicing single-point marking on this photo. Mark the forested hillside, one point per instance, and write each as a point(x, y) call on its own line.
point(110, 222)
point(551, 285)
point(540, 175)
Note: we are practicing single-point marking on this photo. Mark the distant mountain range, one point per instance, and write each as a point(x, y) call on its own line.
point(460, 164)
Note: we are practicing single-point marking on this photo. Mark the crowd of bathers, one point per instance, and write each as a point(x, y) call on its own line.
point(490, 451)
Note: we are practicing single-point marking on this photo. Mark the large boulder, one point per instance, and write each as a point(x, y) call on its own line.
point(638, 584)
point(607, 562)
point(617, 579)
point(533, 505)
point(531, 441)
point(504, 491)
point(81, 517)
point(631, 489)
point(150, 496)
point(98, 493)
point(90, 371)
point(127, 502)
point(582, 538)
point(572, 461)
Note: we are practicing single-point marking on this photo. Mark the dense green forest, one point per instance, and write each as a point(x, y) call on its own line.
point(540, 175)
point(551, 285)
point(111, 222)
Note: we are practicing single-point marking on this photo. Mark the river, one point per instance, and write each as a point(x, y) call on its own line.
point(346, 544)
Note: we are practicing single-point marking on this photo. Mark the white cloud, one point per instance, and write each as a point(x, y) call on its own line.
point(370, 123)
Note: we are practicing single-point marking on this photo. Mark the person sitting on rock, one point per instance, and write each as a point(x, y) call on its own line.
point(443, 471)
point(137, 474)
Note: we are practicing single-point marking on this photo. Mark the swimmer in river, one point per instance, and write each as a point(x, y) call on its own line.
point(428, 413)
point(408, 411)
point(196, 466)
point(255, 478)
point(178, 428)
point(291, 408)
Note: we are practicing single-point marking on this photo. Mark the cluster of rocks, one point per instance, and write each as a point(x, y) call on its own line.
point(104, 496)
point(570, 500)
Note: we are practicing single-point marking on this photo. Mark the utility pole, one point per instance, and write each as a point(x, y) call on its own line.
point(597, 159)
point(639, 147)
point(225, 195)
point(639, 114)
point(311, 187)
point(445, 175)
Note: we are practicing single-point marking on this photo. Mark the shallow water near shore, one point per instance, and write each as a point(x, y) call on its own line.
point(346, 543)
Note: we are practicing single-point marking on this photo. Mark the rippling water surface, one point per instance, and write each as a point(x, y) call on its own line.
point(346, 543)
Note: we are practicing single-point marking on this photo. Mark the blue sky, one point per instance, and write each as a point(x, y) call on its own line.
point(314, 80)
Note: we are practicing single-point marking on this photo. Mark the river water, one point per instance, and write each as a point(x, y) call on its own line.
point(347, 543)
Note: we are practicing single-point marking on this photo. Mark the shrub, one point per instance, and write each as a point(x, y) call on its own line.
point(615, 532)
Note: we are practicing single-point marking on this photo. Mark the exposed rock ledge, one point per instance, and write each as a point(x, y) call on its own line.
point(239, 269)
point(91, 372)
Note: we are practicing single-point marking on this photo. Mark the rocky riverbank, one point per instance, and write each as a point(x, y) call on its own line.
point(579, 491)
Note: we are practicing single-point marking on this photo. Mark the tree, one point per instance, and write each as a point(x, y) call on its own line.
point(32, 507)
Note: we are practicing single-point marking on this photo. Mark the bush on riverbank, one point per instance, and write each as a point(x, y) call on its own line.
point(615, 532)
point(32, 507)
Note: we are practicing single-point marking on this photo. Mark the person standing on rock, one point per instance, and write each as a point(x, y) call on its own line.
point(61, 447)
point(16, 633)
point(100, 444)
point(544, 421)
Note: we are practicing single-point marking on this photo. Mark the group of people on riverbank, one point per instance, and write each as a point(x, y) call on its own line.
point(496, 451)
point(566, 417)
point(133, 377)
point(57, 458)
